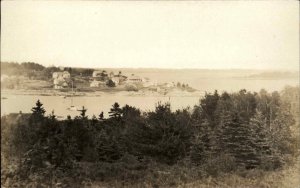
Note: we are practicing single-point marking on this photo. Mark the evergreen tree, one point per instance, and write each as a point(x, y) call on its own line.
point(200, 149)
point(130, 113)
point(209, 105)
point(107, 147)
point(280, 129)
point(261, 138)
point(38, 110)
point(82, 112)
point(52, 116)
point(115, 111)
point(94, 120)
point(101, 116)
point(238, 140)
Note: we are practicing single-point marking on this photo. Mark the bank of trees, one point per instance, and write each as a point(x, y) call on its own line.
point(227, 131)
point(39, 72)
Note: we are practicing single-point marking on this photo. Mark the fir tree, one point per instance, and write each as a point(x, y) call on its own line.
point(101, 116)
point(82, 112)
point(262, 137)
point(52, 116)
point(238, 140)
point(38, 110)
point(115, 111)
point(94, 120)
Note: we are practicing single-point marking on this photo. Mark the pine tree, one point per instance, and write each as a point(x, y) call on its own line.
point(38, 110)
point(115, 111)
point(107, 147)
point(200, 148)
point(209, 105)
point(94, 120)
point(130, 113)
point(238, 140)
point(101, 116)
point(52, 116)
point(82, 112)
point(262, 137)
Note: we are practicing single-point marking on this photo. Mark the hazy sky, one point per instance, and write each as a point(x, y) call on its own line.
point(167, 34)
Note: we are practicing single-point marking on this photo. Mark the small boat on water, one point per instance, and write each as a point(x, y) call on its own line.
point(72, 108)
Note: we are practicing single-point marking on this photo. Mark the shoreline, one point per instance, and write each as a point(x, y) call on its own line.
point(48, 92)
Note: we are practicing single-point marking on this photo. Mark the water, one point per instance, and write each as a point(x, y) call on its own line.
point(16, 103)
point(202, 80)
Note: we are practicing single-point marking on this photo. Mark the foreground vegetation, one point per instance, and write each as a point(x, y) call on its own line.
point(241, 139)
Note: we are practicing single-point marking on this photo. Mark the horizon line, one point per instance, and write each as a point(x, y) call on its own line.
point(163, 68)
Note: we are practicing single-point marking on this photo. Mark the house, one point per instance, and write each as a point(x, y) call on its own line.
point(60, 83)
point(96, 83)
point(100, 75)
point(57, 86)
point(66, 74)
point(56, 75)
point(116, 80)
point(61, 79)
point(134, 79)
point(119, 79)
point(97, 73)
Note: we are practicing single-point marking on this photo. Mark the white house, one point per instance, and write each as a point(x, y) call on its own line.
point(116, 80)
point(97, 73)
point(96, 83)
point(57, 74)
point(60, 79)
point(66, 74)
point(134, 79)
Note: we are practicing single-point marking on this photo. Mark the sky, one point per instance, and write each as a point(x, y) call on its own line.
point(152, 34)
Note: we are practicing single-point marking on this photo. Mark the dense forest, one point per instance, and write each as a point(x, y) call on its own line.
point(226, 133)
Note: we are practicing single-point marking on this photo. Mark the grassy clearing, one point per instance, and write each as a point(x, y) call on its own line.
point(288, 177)
point(157, 175)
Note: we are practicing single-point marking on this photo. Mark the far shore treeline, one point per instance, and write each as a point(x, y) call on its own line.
point(224, 133)
point(37, 71)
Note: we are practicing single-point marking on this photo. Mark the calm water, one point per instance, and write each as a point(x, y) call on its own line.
point(16, 103)
point(222, 81)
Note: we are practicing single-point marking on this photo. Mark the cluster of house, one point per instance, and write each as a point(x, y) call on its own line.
point(100, 78)
point(61, 79)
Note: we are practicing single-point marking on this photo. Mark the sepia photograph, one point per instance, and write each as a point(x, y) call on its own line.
point(150, 94)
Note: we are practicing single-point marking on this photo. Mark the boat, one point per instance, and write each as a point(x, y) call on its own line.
point(72, 107)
